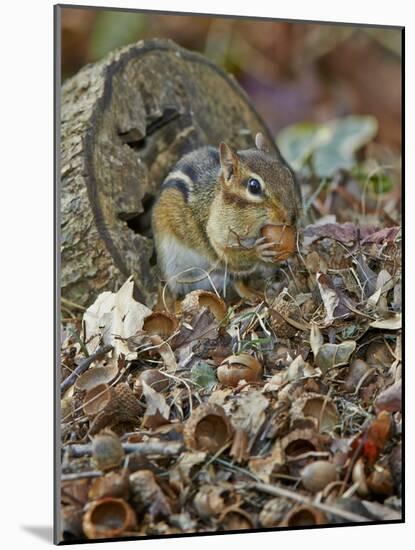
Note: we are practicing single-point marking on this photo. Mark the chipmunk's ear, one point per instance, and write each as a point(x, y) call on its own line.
point(261, 144)
point(228, 161)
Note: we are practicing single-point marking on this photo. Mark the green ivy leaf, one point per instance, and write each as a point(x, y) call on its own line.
point(334, 355)
point(326, 147)
point(203, 375)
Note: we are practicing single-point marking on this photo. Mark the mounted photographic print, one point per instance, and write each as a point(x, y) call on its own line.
point(229, 274)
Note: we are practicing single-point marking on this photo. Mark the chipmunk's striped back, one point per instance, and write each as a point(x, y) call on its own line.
point(196, 170)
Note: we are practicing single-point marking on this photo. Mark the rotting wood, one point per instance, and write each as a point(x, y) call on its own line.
point(125, 121)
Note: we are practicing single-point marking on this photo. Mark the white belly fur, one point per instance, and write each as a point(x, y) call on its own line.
point(180, 264)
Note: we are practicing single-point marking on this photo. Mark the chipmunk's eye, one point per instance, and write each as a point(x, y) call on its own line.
point(254, 186)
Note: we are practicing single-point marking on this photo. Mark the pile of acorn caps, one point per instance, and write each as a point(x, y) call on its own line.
point(128, 421)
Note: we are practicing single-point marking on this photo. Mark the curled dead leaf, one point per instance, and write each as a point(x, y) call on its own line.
point(157, 410)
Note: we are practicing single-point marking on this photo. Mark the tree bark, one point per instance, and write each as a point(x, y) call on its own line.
point(125, 121)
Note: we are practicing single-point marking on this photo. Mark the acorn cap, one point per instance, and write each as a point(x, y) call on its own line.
point(95, 376)
point(299, 442)
point(108, 518)
point(208, 429)
point(123, 407)
point(303, 515)
point(160, 323)
point(235, 518)
point(197, 299)
point(158, 381)
point(280, 310)
point(319, 407)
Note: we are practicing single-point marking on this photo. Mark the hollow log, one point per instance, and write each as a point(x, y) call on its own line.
point(125, 121)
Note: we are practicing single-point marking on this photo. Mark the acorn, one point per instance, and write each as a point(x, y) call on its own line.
point(208, 429)
point(239, 367)
point(285, 238)
point(107, 451)
point(108, 518)
point(158, 381)
point(197, 299)
point(317, 475)
point(160, 323)
point(303, 515)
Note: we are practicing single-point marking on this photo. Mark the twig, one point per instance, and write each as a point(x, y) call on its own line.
point(72, 305)
point(235, 468)
point(333, 510)
point(83, 366)
point(80, 475)
point(162, 448)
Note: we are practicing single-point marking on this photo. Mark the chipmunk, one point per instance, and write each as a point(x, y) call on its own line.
point(209, 214)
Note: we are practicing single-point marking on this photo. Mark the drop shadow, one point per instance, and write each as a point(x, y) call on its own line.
point(44, 533)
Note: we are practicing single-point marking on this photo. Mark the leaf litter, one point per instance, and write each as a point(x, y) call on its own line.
point(233, 416)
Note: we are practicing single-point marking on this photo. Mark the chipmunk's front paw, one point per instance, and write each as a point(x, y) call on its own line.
point(265, 250)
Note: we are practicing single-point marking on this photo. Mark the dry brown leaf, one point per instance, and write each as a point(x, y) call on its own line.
point(156, 403)
point(392, 323)
point(249, 414)
point(390, 399)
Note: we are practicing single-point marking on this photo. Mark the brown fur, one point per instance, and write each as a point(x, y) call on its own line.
point(221, 220)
